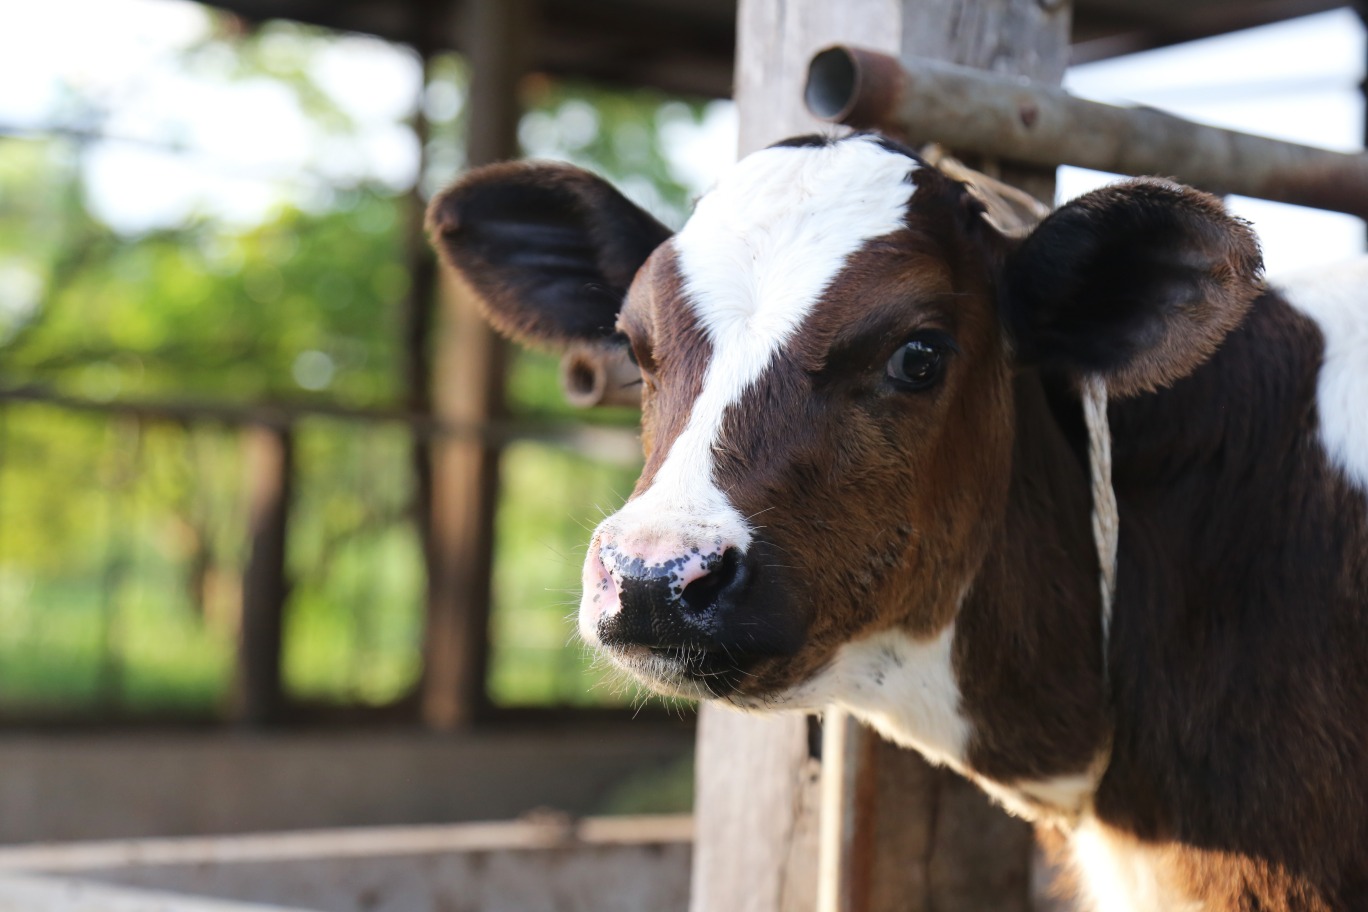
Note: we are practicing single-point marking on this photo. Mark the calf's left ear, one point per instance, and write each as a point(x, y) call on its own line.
point(548, 249)
point(1137, 282)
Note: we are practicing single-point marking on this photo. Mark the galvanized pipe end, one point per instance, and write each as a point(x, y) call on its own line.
point(853, 86)
point(594, 375)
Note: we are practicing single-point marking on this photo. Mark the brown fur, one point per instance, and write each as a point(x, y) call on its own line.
point(1234, 711)
point(672, 351)
point(1240, 641)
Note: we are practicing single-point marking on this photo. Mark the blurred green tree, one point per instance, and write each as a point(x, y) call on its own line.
point(122, 541)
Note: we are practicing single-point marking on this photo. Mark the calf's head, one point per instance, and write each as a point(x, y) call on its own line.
point(827, 352)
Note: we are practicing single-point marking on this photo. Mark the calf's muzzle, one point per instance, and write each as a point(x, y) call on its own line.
point(669, 598)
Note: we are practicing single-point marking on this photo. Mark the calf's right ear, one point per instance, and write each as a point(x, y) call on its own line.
point(549, 249)
point(1137, 283)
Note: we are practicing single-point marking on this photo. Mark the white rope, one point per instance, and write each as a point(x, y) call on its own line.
point(1106, 522)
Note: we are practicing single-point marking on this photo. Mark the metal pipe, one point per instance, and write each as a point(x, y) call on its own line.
point(593, 375)
point(982, 113)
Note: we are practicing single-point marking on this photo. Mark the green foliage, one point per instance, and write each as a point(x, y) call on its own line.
point(353, 629)
point(615, 134)
point(119, 562)
point(549, 501)
point(123, 542)
point(232, 316)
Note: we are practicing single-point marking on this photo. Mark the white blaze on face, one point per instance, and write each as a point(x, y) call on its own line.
point(757, 255)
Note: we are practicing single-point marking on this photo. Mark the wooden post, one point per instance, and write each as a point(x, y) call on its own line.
point(755, 814)
point(469, 386)
point(258, 694)
point(416, 331)
point(909, 837)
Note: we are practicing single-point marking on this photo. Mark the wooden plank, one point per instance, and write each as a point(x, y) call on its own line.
point(838, 827)
point(677, 46)
point(1017, 37)
point(756, 814)
point(1103, 30)
point(625, 864)
point(550, 832)
point(465, 479)
point(912, 836)
point(469, 388)
point(680, 46)
point(258, 695)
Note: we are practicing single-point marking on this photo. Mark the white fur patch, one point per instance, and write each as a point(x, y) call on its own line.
point(905, 689)
point(1060, 800)
point(902, 687)
point(1337, 299)
point(756, 256)
point(1118, 874)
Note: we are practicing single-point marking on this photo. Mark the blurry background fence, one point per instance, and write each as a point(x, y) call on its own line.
point(216, 329)
point(144, 542)
point(217, 336)
point(257, 469)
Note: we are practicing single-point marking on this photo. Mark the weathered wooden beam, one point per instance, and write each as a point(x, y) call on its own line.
point(548, 864)
point(1106, 30)
point(532, 833)
point(755, 814)
point(985, 113)
point(417, 315)
point(258, 694)
point(469, 388)
point(611, 444)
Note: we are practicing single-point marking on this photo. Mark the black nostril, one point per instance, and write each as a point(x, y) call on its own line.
point(730, 611)
point(654, 612)
point(728, 574)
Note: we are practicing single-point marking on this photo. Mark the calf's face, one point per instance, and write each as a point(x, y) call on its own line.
point(827, 350)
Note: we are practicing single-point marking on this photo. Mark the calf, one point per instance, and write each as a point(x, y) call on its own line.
point(867, 484)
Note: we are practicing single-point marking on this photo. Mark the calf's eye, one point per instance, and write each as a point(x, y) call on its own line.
point(920, 363)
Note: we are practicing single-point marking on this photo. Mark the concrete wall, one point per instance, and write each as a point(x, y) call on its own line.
point(68, 787)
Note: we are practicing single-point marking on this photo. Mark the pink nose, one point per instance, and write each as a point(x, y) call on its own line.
point(678, 565)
